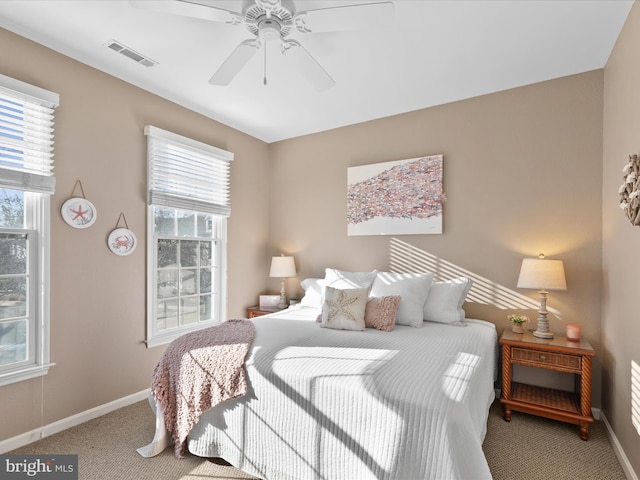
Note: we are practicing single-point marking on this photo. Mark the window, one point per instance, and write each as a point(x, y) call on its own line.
point(26, 183)
point(188, 197)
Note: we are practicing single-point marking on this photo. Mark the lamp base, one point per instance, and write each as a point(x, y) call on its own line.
point(283, 297)
point(543, 324)
point(539, 334)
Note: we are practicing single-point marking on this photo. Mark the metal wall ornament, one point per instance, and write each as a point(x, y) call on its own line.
point(78, 212)
point(630, 190)
point(122, 241)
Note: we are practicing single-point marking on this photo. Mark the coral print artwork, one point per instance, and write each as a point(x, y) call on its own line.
point(394, 198)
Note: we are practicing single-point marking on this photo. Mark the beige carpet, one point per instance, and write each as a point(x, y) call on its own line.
point(534, 448)
point(527, 448)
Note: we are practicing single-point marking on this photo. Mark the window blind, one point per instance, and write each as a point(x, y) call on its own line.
point(186, 174)
point(26, 136)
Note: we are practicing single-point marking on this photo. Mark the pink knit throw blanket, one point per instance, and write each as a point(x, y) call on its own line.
point(198, 371)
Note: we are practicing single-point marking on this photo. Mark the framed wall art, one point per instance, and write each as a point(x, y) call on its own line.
point(395, 198)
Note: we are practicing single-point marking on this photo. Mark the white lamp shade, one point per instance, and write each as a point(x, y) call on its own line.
point(282, 267)
point(542, 274)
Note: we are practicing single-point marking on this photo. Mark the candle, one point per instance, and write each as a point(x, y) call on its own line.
point(573, 332)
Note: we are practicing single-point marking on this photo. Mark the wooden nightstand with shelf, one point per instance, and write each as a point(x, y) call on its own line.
point(551, 354)
point(258, 311)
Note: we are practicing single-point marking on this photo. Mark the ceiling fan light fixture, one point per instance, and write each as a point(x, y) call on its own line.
point(269, 29)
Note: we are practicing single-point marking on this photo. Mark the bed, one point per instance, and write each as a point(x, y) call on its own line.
point(410, 402)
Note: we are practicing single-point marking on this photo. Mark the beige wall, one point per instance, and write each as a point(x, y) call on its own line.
point(621, 240)
point(98, 298)
point(522, 174)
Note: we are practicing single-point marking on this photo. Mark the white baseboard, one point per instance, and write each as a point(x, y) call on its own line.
point(617, 448)
point(56, 427)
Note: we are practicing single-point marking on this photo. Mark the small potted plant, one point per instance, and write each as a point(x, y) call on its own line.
point(517, 320)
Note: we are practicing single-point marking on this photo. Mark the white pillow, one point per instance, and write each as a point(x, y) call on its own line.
point(343, 309)
point(445, 299)
point(413, 289)
point(341, 279)
point(313, 289)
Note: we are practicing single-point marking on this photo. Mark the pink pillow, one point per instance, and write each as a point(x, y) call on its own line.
point(381, 312)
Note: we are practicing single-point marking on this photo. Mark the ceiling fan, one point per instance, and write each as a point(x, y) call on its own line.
point(274, 20)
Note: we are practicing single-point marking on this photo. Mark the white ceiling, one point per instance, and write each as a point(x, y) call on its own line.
point(432, 53)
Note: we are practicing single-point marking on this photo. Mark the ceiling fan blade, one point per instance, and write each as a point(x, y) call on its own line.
point(344, 18)
point(308, 65)
point(234, 62)
point(189, 9)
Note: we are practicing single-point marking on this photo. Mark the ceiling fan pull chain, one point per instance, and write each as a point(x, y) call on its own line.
point(265, 64)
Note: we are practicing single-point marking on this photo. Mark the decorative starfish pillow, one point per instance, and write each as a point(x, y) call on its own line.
point(343, 309)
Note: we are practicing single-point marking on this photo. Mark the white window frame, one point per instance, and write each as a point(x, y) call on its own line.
point(209, 198)
point(33, 174)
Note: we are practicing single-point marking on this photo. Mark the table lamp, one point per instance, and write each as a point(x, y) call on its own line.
point(542, 274)
point(282, 267)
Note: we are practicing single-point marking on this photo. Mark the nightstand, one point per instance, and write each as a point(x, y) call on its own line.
point(258, 311)
point(551, 354)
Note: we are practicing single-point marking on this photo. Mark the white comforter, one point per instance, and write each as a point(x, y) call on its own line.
point(335, 404)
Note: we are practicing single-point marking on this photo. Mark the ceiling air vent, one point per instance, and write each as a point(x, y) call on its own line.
point(132, 54)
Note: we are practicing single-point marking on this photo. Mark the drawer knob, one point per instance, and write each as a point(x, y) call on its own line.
point(543, 357)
